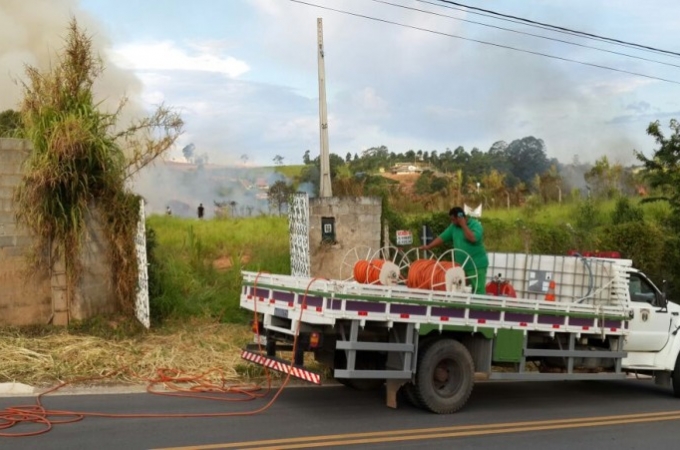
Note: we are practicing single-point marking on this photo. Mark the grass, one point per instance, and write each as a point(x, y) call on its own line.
point(290, 172)
point(45, 356)
point(199, 263)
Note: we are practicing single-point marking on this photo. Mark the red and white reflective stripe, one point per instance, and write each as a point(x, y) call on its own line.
point(279, 366)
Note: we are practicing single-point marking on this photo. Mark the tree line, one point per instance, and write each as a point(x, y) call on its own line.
point(503, 176)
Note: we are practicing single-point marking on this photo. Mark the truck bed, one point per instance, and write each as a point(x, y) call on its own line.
point(322, 302)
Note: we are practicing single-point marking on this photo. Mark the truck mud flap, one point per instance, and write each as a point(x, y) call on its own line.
point(282, 366)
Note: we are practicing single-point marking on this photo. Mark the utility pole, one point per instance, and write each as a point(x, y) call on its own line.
point(325, 182)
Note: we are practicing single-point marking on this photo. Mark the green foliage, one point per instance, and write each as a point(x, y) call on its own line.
point(10, 124)
point(644, 243)
point(550, 239)
point(290, 171)
point(195, 267)
point(625, 212)
point(663, 168)
point(279, 194)
point(588, 215)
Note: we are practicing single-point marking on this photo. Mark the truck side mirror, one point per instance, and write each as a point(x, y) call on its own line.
point(662, 299)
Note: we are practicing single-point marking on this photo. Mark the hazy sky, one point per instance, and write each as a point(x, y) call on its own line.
point(244, 73)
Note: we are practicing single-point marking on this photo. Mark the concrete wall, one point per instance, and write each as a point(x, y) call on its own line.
point(23, 301)
point(357, 223)
point(42, 297)
point(95, 294)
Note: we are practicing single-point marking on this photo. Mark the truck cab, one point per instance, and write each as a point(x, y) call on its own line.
point(652, 342)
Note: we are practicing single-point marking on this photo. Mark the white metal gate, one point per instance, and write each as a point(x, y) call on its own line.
point(298, 227)
point(142, 301)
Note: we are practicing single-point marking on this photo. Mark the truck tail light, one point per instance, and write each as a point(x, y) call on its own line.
point(314, 339)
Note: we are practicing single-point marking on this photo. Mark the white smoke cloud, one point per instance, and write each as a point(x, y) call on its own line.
point(32, 32)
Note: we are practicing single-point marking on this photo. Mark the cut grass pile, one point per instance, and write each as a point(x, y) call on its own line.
point(48, 356)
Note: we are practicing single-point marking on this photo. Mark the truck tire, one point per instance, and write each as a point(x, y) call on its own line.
point(410, 394)
point(676, 378)
point(409, 389)
point(444, 377)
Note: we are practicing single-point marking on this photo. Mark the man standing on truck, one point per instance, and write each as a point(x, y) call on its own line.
point(466, 234)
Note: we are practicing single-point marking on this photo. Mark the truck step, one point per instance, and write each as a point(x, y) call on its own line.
point(281, 365)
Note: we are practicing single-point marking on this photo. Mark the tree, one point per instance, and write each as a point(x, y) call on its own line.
point(526, 158)
point(244, 158)
point(279, 193)
point(348, 157)
point(662, 170)
point(306, 159)
point(663, 173)
point(79, 166)
point(278, 160)
point(10, 123)
point(188, 152)
point(604, 178)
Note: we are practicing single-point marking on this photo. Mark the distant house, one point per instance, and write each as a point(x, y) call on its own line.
point(406, 168)
point(261, 184)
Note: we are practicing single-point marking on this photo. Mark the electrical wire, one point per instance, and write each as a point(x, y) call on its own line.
point(560, 58)
point(576, 44)
point(559, 28)
point(454, 8)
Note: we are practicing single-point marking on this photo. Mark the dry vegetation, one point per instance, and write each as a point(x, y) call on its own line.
point(46, 357)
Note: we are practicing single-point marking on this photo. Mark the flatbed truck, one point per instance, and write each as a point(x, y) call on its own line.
point(544, 317)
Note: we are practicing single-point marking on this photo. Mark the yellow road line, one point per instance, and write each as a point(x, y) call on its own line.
point(441, 432)
point(463, 433)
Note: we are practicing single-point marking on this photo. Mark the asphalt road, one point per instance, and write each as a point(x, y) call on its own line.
point(508, 415)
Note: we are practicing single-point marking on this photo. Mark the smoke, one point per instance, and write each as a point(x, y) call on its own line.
point(32, 32)
point(238, 191)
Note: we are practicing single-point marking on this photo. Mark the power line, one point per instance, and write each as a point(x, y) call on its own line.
point(583, 33)
point(527, 34)
point(547, 28)
point(485, 42)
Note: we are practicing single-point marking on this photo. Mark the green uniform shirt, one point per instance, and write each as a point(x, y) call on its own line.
point(455, 236)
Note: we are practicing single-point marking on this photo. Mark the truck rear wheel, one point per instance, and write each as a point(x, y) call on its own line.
point(444, 377)
point(410, 394)
point(409, 389)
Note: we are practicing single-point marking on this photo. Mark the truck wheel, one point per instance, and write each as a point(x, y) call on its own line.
point(676, 378)
point(409, 389)
point(410, 394)
point(445, 376)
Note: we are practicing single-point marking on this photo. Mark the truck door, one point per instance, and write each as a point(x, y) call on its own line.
point(650, 326)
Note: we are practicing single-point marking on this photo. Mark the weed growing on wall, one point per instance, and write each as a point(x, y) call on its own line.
point(79, 164)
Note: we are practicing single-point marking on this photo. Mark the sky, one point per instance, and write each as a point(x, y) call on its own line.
point(243, 73)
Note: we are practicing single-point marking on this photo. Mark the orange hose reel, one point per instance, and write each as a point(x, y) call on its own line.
point(422, 274)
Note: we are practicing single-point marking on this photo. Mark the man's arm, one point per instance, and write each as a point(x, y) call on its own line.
point(435, 243)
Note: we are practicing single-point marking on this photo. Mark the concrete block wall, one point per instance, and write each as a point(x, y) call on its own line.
point(41, 297)
point(95, 294)
point(357, 223)
point(23, 300)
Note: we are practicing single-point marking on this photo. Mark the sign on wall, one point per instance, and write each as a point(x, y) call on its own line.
point(404, 237)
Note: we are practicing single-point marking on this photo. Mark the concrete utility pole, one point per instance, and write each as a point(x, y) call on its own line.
point(325, 182)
